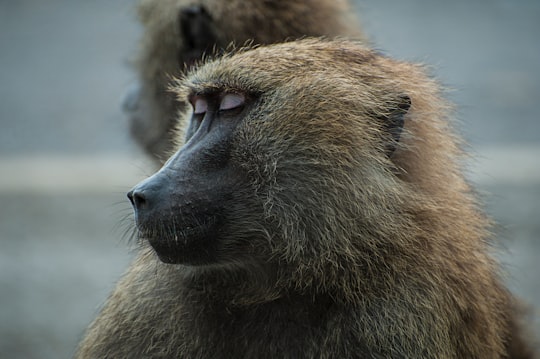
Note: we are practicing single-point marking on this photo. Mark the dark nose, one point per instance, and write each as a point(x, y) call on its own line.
point(145, 199)
point(137, 198)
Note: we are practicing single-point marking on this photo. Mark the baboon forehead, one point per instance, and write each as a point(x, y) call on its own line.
point(312, 54)
point(287, 64)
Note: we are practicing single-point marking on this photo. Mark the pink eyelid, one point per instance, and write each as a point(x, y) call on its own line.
point(231, 101)
point(200, 106)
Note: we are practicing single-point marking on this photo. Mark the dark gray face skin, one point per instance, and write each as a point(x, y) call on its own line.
point(183, 209)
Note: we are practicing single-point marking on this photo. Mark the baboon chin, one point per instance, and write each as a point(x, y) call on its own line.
point(179, 33)
point(317, 209)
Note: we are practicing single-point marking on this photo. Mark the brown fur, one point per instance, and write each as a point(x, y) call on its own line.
point(162, 52)
point(351, 253)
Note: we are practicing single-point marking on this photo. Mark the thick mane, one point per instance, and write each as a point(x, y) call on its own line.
point(317, 209)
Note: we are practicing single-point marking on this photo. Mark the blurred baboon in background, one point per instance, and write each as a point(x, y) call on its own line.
point(178, 32)
point(318, 209)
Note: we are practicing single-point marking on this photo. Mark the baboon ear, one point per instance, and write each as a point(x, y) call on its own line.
point(395, 120)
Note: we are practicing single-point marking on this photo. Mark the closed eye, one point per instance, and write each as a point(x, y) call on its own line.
point(231, 101)
point(200, 106)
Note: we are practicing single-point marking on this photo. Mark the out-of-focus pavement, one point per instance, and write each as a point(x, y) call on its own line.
point(66, 160)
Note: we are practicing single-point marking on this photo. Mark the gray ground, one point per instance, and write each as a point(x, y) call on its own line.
point(66, 160)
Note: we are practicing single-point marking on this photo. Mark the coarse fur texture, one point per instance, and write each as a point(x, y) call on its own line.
point(164, 52)
point(334, 246)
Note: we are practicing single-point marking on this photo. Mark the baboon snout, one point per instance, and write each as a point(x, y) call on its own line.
point(145, 199)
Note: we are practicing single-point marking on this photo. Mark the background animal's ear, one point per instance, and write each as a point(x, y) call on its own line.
point(395, 120)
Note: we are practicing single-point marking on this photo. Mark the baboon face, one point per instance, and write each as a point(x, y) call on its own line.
point(269, 154)
point(188, 210)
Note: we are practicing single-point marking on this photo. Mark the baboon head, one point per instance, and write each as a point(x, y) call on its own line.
point(293, 157)
point(178, 33)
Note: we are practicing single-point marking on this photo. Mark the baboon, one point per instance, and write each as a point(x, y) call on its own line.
point(178, 32)
point(316, 210)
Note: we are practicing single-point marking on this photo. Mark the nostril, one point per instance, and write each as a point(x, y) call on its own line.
point(137, 199)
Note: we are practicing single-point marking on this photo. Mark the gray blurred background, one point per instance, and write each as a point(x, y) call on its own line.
point(66, 160)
